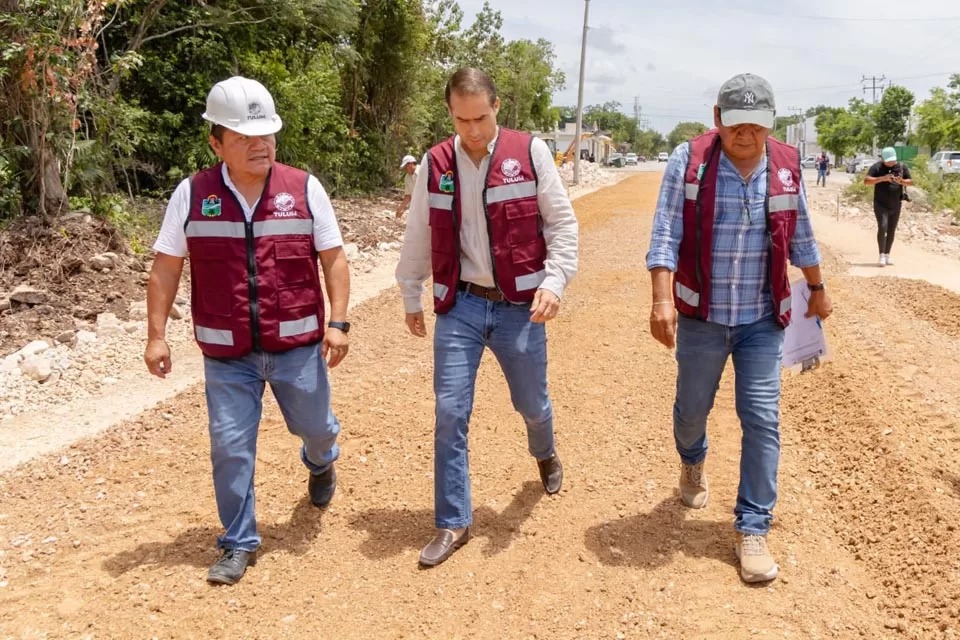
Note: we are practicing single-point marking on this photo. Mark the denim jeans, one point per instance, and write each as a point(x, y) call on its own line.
point(757, 349)
point(822, 176)
point(298, 379)
point(520, 347)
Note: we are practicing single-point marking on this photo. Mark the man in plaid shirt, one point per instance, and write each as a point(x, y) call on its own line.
point(732, 247)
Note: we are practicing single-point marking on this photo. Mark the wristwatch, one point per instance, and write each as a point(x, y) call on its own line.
point(816, 287)
point(343, 326)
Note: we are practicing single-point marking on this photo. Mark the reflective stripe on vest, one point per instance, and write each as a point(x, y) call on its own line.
point(289, 328)
point(441, 201)
point(687, 294)
point(785, 305)
point(440, 291)
point(211, 229)
point(511, 192)
point(690, 191)
point(222, 337)
point(530, 280)
point(787, 202)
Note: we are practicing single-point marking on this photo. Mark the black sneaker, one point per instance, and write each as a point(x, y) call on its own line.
point(231, 566)
point(322, 487)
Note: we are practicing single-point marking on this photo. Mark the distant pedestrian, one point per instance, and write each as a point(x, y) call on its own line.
point(823, 168)
point(890, 180)
point(411, 169)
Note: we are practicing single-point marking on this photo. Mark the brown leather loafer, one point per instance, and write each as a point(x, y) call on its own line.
point(442, 546)
point(551, 474)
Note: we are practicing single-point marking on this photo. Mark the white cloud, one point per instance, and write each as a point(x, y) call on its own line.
point(675, 54)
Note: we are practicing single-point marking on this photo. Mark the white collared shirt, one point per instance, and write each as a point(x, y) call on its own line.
point(172, 239)
point(560, 230)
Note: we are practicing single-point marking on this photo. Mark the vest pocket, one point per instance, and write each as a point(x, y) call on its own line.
point(214, 277)
point(442, 239)
point(295, 262)
point(523, 221)
point(528, 252)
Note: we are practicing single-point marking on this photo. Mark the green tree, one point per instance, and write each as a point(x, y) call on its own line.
point(526, 86)
point(683, 132)
point(891, 115)
point(835, 131)
point(938, 124)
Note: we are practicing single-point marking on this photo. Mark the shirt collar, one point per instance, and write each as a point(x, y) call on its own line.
point(490, 145)
point(726, 165)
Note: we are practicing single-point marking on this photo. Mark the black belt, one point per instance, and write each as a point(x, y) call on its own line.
point(488, 293)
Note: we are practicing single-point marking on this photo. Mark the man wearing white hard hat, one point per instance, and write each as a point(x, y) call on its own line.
point(254, 229)
point(411, 169)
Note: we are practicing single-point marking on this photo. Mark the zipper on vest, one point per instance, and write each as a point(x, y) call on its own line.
point(486, 217)
point(252, 285)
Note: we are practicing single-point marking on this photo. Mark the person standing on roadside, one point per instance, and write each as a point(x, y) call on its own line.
point(890, 180)
point(411, 170)
point(823, 168)
point(491, 221)
point(732, 211)
point(254, 229)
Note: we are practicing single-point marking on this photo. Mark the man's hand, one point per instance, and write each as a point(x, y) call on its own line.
point(335, 344)
point(416, 324)
point(819, 305)
point(663, 324)
point(157, 357)
point(544, 307)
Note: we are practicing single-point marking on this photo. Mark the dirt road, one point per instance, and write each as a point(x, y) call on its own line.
point(111, 538)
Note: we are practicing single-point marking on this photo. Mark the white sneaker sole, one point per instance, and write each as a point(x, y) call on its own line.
point(756, 577)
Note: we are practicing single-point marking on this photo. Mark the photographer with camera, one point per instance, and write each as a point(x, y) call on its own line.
point(890, 180)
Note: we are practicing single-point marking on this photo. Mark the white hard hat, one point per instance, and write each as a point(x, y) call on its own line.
point(242, 105)
point(407, 160)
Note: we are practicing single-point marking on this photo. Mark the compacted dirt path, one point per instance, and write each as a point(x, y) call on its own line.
point(111, 537)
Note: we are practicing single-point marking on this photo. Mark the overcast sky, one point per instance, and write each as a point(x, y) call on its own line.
point(675, 54)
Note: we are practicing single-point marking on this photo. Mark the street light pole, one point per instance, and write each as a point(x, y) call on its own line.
point(583, 58)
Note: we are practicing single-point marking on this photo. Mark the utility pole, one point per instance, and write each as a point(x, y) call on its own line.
point(874, 84)
point(583, 60)
point(803, 129)
point(636, 109)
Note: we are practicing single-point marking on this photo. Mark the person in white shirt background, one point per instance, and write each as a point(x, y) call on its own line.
point(410, 170)
point(491, 222)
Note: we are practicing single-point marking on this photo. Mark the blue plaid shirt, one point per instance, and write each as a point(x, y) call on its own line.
point(740, 291)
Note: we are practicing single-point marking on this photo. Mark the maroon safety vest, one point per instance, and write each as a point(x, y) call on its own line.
point(517, 246)
point(255, 284)
point(692, 280)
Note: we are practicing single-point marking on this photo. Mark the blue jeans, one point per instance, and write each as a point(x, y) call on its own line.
point(757, 349)
point(520, 347)
point(298, 379)
point(822, 175)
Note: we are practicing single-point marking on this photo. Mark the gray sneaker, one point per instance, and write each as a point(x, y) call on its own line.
point(694, 489)
point(756, 563)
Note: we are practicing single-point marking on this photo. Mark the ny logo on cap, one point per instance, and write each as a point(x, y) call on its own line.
point(749, 98)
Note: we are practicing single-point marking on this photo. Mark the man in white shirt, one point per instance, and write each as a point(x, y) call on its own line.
point(410, 170)
point(491, 222)
point(253, 229)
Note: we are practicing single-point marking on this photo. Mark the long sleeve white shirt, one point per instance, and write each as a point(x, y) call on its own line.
point(560, 229)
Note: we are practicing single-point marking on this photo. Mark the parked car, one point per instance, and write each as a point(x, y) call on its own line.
point(641, 158)
point(631, 158)
point(809, 162)
point(616, 160)
point(945, 163)
point(863, 164)
point(663, 156)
